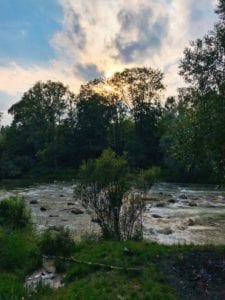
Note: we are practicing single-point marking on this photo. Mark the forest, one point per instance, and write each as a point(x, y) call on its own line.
point(53, 130)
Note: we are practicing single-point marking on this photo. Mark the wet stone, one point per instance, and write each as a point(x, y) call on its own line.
point(95, 220)
point(161, 204)
point(183, 196)
point(192, 204)
point(165, 231)
point(190, 222)
point(171, 201)
point(43, 208)
point(77, 211)
point(156, 216)
point(33, 202)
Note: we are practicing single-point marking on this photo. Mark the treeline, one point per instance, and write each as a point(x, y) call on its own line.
point(53, 129)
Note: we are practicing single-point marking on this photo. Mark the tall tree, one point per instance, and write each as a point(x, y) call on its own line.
point(39, 115)
point(141, 89)
point(93, 121)
point(198, 134)
point(203, 62)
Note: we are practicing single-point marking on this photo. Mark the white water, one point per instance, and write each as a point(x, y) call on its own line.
point(197, 216)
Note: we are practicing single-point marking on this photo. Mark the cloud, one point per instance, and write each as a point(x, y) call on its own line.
point(96, 37)
point(88, 71)
point(122, 33)
point(72, 35)
point(17, 79)
point(141, 33)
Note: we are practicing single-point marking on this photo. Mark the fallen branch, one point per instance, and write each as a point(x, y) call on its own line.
point(72, 259)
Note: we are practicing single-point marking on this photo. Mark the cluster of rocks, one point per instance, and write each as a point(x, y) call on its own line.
point(46, 275)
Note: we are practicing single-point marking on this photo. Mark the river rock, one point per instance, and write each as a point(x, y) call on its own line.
point(192, 204)
point(70, 204)
point(160, 204)
point(171, 201)
point(156, 216)
point(77, 211)
point(53, 216)
point(190, 222)
point(42, 208)
point(165, 231)
point(95, 220)
point(33, 202)
point(183, 196)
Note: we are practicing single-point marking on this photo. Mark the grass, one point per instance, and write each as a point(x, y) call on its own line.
point(167, 272)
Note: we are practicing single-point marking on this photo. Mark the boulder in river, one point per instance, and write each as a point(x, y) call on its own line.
point(160, 204)
point(95, 220)
point(192, 203)
point(190, 222)
point(77, 211)
point(165, 231)
point(183, 196)
point(42, 208)
point(33, 202)
point(156, 216)
point(171, 201)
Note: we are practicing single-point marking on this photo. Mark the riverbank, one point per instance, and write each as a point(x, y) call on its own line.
point(148, 270)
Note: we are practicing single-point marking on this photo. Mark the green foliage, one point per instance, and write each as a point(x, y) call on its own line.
point(57, 243)
point(19, 251)
point(94, 282)
point(93, 121)
point(146, 178)
point(14, 214)
point(109, 168)
point(166, 272)
point(10, 287)
point(104, 188)
point(193, 140)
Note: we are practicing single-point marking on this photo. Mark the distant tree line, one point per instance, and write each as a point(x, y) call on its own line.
point(53, 129)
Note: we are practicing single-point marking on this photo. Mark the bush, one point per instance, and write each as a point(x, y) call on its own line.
point(10, 287)
point(146, 178)
point(57, 243)
point(14, 214)
point(19, 252)
point(104, 188)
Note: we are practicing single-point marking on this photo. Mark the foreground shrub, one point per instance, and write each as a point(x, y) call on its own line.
point(14, 214)
point(104, 188)
point(19, 252)
point(57, 243)
point(10, 287)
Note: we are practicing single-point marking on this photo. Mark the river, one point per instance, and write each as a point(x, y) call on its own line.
point(175, 214)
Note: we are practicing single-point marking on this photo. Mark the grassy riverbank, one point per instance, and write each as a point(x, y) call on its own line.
point(166, 272)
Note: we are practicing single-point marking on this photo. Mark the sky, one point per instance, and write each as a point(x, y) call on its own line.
point(74, 41)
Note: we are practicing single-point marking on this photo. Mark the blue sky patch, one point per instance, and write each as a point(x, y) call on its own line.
point(26, 26)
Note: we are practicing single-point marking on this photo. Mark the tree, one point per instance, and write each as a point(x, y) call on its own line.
point(39, 116)
point(104, 188)
point(132, 94)
point(198, 134)
point(106, 90)
point(141, 89)
point(203, 62)
point(93, 118)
